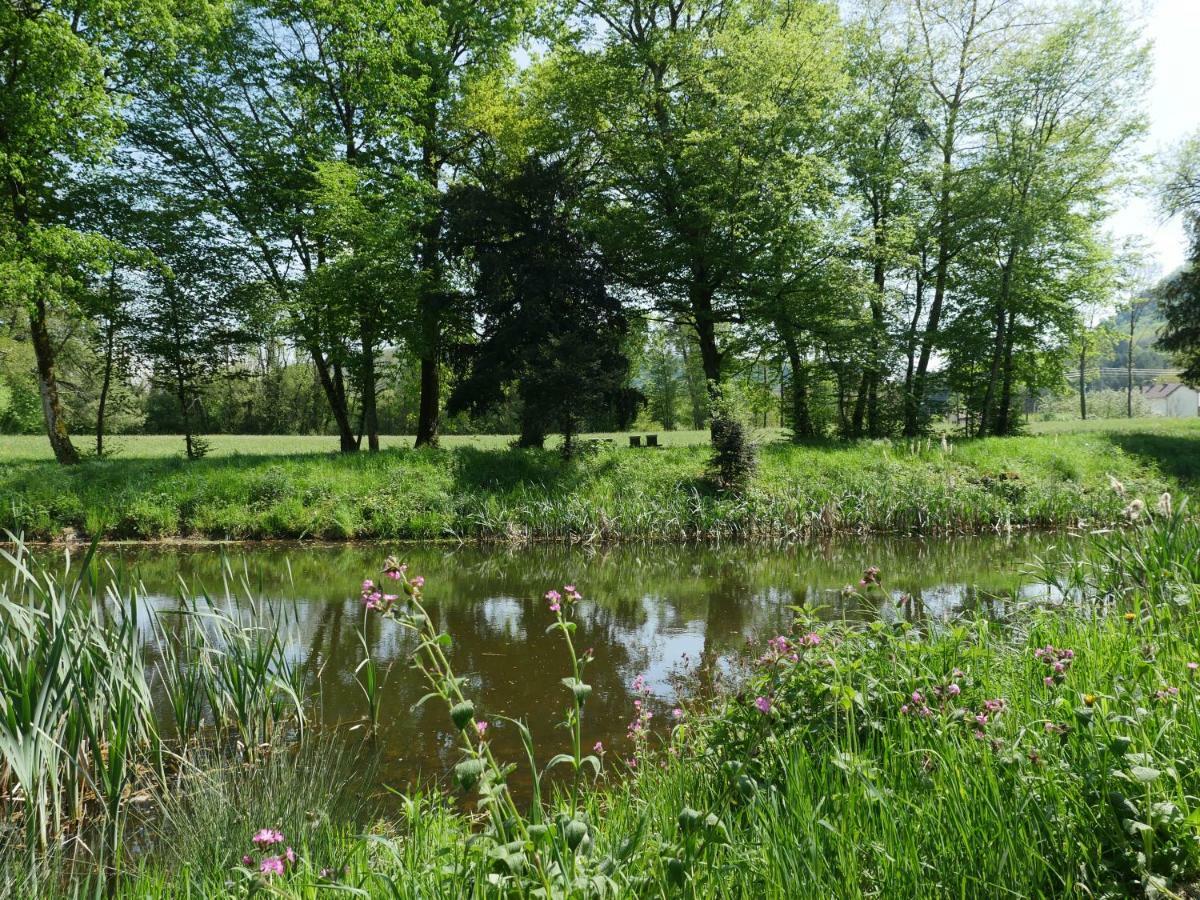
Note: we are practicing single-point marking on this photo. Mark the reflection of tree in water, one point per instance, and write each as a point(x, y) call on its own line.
point(641, 603)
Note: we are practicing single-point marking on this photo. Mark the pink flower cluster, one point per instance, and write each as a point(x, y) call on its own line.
point(991, 709)
point(639, 728)
point(917, 706)
point(569, 595)
point(1168, 693)
point(763, 705)
point(781, 648)
point(274, 864)
point(871, 577)
point(1057, 660)
point(374, 598)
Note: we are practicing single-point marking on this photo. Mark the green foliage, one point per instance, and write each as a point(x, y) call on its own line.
point(549, 329)
point(269, 488)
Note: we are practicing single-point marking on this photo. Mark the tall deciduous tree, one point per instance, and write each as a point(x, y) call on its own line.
point(709, 123)
point(1180, 295)
point(884, 143)
point(60, 67)
point(246, 118)
point(468, 46)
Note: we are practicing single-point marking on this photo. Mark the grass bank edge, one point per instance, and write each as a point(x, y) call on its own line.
point(1052, 753)
point(467, 493)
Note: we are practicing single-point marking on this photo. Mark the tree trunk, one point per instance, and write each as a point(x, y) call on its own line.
point(710, 355)
point(695, 395)
point(860, 404)
point(918, 310)
point(875, 371)
point(56, 423)
point(181, 396)
point(1004, 415)
point(1082, 372)
point(1129, 367)
point(915, 400)
point(802, 425)
point(335, 393)
point(986, 412)
point(105, 384)
point(429, 301)
point(370, 415)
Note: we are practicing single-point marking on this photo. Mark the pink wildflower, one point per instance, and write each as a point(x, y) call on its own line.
point(271, 866)
point(265, 837)
point(481, 728)
point(763, 705)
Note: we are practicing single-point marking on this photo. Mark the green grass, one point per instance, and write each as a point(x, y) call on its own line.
point(848, 786)
point(469, 491)
point(28, 447)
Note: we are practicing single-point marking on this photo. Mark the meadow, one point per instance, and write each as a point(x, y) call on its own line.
point(1049, 753)
point(254, 488)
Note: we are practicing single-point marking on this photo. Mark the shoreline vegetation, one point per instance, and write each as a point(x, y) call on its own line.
point(481, 490)
point(1051, 752)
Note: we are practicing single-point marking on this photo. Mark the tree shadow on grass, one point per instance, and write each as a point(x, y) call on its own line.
point(501, 471)
point(1175, 455)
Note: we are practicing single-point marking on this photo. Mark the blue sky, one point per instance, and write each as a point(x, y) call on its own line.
point(1174, 109)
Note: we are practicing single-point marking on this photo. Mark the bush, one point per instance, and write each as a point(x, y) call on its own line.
point(734, 454)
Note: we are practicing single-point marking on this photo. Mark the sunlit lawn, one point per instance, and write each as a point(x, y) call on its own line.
point(32, 447)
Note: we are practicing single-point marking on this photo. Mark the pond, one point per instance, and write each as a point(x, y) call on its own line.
point(651, 610)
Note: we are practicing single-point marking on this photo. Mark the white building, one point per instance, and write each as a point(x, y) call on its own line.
point(1172, 399)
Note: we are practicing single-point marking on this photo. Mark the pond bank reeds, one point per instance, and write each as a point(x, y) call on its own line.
point(1053, 753)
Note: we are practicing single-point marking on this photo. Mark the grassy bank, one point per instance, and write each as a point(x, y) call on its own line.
point(615, 492)
point(1052, 753)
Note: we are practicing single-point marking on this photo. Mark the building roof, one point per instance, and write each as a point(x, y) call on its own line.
point(1159, 391)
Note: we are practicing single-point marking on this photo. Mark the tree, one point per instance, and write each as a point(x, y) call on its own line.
point(467, 48)
point(707, 123)
point(550, 330)
point(190, 321)
point(883, 142)
point(1180, 302)
point(961, 39)
point(1066, 108)
point(270, 120)
point(61, 66)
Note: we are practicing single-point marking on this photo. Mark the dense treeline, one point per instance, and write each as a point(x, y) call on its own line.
point(366, 216)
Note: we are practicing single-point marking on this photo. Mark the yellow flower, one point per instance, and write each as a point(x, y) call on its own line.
point(1129, 617)
point(1089, 699)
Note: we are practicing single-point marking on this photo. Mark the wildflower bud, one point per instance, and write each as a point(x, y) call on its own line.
point(689, 820)
point(462, 713)
point(575, 832)
point(468, 772)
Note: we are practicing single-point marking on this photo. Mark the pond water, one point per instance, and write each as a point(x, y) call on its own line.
point(648, 610)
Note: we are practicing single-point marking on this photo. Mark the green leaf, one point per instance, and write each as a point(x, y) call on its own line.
point(559, 760)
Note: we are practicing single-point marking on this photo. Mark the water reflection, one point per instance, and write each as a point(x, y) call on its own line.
point(646, 608)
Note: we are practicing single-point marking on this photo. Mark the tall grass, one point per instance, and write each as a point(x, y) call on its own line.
point(1051, 753)
point(614, 493)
